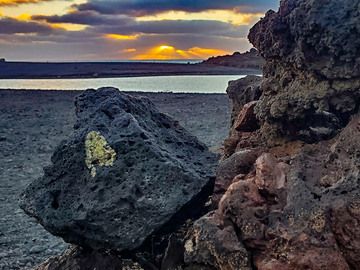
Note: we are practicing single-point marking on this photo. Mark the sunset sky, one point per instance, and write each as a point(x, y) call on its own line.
point(65, 30)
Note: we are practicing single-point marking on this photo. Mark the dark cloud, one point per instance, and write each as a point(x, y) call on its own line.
point(37, 40)
point(115, 24)
point(13, 26)
point(86, 18)
point(146, 7)
point(196, 27)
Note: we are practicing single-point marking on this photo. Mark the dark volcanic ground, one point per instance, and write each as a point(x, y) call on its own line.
point(32, 123)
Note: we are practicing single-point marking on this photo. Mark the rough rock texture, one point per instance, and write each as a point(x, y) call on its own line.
point(243, 91)
point(312, 73)
point(294, 211)
point(288, 184)
point(77, 258)
point(243, 94)
point(121, 176)
point(214, 244)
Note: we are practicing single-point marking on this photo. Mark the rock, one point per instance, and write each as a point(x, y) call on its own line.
point(246, 119)
point(126, 172)
point(239, 163)
point(312, 71)
point(82, 259)
point(295, 203)
point(243, 91)
point(174, 254)
point(345, 220)
point(280, 210)
point(213, 244)
point(243, 120)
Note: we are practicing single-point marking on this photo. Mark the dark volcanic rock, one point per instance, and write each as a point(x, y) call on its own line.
point(299, 211)
point(243, 91)
point(77, 258)
point(312, 72)
point(243, 94)
point(291, 186)
point(122, 175)
point(215, 245)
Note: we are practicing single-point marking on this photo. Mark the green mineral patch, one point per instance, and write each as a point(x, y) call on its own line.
point(98, 152)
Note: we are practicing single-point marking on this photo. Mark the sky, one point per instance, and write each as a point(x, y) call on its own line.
point(97, 30)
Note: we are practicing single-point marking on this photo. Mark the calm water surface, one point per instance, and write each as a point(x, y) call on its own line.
point(187, 84)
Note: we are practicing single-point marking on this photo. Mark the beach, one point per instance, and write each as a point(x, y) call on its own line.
point(33, 123)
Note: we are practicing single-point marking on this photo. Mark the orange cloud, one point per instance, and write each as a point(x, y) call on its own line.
point(121, 37)
point(227, 16)
point(19, 2)
point(129, 50)
point(167, 52)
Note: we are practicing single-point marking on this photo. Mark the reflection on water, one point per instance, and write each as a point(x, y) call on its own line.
point(193, 84)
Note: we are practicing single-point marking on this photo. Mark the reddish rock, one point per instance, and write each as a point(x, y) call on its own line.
point(243, 91)
point(345, 222)
point(246, 119)
point(239, 163)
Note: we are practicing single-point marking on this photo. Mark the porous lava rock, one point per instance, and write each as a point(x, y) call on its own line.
point(290, 211)
point(311, 81)
point(288, 183)
point(126, 172)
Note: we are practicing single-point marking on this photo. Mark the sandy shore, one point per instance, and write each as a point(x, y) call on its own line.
point(32, 123)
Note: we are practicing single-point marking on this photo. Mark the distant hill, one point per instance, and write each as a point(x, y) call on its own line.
point(247, 60)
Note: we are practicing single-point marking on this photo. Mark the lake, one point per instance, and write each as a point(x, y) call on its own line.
point(186, 84)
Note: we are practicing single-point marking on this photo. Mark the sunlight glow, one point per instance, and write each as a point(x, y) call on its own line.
point(121, 37)
point(167, 52)
point(68, 26)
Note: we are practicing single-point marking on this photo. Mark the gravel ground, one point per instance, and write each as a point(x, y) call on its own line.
point(32, 123)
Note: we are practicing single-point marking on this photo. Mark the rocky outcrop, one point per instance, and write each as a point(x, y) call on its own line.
point(289, 211)
point(288, 183)
point(125, 173)
point(312, 71)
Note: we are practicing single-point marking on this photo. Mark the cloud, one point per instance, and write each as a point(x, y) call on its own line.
point(147, 7)
point(124, 25)
point(86, 18)
point(13, 26)
point(199, 27)
point(5, 3)
point(109, 29)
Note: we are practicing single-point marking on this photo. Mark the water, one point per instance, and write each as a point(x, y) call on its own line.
point(186, 84)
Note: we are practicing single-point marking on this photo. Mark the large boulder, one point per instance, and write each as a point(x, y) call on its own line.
point(312, 73)
point(126, 172)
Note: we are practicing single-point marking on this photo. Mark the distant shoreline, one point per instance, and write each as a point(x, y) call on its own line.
point(82, 70)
